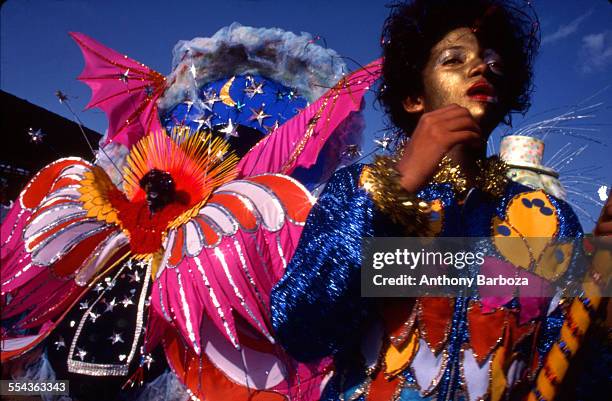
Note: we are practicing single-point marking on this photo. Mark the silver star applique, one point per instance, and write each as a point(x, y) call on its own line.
point(147, 359)
point(110, 305)
point(36, 136)
point(134, 277)
point(383, 143)
point(60, 343)
point(209, 99)
point(93, 316)
point(125, 76)
point(256, 88)
point(81, 353)
point(127, 302)
point(116, 338)
point(230, 130)
point(189, 104)
point(259, 115)
point(204, 122)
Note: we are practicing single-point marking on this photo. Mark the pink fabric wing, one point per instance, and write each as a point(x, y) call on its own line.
point(297, 143)
point(224, 266)
point(46, 239)
point(124, 89)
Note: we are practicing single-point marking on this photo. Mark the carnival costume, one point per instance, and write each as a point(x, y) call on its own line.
point(524, 152)
point(182, 246)
point(466, 348)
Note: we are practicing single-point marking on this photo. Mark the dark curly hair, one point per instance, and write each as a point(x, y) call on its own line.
point(413, 28)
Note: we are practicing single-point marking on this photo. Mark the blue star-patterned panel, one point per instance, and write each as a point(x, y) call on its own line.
point(250, 101)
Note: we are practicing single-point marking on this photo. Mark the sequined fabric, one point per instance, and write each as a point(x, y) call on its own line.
point(317, 309)
point(322, 279)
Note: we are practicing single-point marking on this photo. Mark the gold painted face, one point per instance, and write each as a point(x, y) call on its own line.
point(459, 71)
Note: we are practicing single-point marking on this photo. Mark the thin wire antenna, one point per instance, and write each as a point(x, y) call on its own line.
point(561, 151)
point(316, 188)
point(585, 182)
point(582, 173)
point(568, 158)
point(605, 88)
point(542, 129)
point(584, 196)
point(357, 63)
point(314, 41)
point(63, 99)
point(363, 157)
point(361, 67)
point(583, 211)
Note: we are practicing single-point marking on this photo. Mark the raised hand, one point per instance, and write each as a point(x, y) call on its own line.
point(436, 134)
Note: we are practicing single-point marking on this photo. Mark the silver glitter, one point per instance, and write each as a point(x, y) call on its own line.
point(187, 314)
point(215, 302)
point(36, 136)
point(280, 252)
point(161, 302)
point(221, 257)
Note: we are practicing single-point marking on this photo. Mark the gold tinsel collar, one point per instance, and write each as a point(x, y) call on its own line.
point(492, 178)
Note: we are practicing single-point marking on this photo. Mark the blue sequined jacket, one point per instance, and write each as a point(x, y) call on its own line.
point(317, 309)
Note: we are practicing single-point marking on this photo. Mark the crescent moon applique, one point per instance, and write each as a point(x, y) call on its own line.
point(224, 94)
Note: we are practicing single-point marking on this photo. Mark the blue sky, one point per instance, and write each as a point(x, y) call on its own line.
point(38, 57)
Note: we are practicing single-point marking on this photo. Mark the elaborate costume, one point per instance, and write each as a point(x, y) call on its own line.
point(452, 72)
point(183, 246)
point(441, 348)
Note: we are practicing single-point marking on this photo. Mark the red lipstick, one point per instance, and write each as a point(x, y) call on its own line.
point(482, 91)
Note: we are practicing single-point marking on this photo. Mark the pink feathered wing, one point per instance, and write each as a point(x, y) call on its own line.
point(124, 89)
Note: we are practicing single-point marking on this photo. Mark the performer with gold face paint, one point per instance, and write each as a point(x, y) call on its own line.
point(460, 106)
point(453, 71)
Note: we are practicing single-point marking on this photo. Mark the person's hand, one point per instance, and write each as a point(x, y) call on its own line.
point(604, 224)
point(436, 133)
